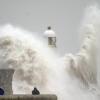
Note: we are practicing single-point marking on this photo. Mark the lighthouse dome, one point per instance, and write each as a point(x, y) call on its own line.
point(49, 33)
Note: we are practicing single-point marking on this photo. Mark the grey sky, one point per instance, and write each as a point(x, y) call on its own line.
point(35, 15)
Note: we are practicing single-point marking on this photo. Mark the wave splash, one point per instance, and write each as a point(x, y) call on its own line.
point(36, 65)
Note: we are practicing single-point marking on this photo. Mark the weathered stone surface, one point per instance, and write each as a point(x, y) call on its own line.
point(28, 97)
point(6, 76)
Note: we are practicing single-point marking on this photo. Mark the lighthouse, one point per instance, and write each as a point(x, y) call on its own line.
point(51, 37)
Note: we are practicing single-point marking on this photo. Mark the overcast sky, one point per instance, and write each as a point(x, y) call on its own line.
point(64, 16)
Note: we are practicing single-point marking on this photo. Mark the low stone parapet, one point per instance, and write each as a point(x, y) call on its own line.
point(28, 97)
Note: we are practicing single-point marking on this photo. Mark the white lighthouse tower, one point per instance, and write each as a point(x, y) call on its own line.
point(51, 37)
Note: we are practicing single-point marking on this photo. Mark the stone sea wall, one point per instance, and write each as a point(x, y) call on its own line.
point(28, 97)
point(6, 76)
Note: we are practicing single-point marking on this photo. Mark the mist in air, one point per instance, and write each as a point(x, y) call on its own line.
point(70, 77)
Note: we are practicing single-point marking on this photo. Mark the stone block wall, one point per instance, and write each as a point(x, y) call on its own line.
point(28, 97)
point(6, 76)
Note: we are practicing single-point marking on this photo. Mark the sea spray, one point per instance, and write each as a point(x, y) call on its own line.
point(37, 65)
point(27, 55)
point(83, 65)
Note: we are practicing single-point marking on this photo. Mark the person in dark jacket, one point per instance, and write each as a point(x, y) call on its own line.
point(35, 91)
point(1, 91)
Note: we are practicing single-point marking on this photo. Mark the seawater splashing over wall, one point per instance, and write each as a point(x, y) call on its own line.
point(37, 65)
point(27, 55)
point(83, 65)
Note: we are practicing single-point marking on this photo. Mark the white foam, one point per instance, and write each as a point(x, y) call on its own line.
point(37, 65)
